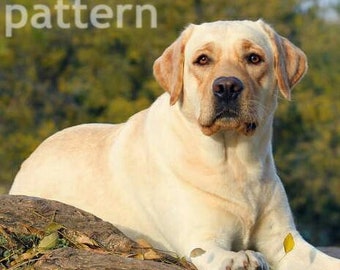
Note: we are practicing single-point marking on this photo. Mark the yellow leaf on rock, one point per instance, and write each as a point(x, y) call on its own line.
point(152, 255)
point(147, 252)
point(288, 243)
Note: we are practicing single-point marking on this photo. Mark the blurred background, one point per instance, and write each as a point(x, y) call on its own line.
point(54, 78)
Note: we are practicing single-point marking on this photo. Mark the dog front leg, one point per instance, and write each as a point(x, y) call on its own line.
point(305, 256)
point(274, 227)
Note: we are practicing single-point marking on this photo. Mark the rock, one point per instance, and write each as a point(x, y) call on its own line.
point(45, 234)
point(69, 258)
point(332, 251)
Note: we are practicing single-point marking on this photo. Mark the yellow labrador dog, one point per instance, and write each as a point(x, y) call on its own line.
point(194, 173)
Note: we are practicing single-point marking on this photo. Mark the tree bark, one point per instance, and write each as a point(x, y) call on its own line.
point(69, 258)
point(45, 234)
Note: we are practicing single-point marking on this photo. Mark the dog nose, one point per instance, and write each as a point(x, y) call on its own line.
point(227, 88)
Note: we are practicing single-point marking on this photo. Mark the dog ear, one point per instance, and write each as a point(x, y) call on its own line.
point(290, 62)
point(168, 68)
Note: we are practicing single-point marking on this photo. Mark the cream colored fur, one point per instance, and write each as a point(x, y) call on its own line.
point(205, 188)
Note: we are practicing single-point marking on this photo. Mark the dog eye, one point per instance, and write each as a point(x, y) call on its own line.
point(254, 59)
point(202, 60)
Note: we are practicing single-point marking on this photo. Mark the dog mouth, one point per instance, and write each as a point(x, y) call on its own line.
point(231, 119)
point(227, 113)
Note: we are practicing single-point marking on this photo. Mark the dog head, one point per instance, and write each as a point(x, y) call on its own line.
point(227, 74)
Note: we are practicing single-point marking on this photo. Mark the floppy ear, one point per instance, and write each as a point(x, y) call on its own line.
point(168, 68)
point(290, 62)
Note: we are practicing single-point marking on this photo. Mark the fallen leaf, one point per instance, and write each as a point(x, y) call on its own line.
point(197, 252)
point(147, 252)
point(83, 239)
point(143, 243)
point(20, 259)
point(53, 227)
point(151, 255)
point(288, 243)
point(49, 241)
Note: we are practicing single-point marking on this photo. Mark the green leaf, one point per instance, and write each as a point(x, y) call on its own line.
point(53, 227)
point(289, 243)
point(49, 241)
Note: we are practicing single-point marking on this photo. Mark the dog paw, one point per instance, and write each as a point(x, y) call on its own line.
point(247, 260)
point(228, 260)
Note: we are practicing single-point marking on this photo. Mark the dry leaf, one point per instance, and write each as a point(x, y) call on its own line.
point(28, 255)
point(143, 243)
point(139, 256)
point(49, 241)
point(197, 252)
point(85, 240)
point(151, 255)
point(147, 252)
point(288, 243)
